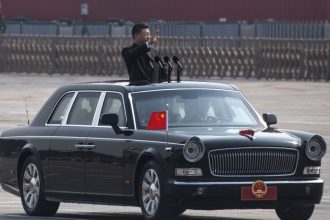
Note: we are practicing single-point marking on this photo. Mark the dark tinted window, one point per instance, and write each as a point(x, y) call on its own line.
point(82, 112)
point(113, 104)
point(61, 108)
point(196, 108)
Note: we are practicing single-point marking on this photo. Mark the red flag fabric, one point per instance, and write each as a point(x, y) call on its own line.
point(157, 121)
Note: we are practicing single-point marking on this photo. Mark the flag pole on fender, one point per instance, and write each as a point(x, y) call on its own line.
point(166, 124)
point(166, 117)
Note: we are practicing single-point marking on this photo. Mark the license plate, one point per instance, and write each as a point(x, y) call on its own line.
point(259, 191)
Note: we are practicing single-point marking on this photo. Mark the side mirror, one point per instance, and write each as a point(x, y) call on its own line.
point(111, 119)
point(270, 119)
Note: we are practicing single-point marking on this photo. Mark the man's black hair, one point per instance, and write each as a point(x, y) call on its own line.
point(138, 28)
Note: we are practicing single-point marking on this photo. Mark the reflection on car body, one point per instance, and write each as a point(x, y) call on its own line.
point(90, 143)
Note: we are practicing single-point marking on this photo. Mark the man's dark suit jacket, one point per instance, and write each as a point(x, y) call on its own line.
point(139, 64)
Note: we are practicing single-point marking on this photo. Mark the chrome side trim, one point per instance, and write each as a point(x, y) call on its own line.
point(98, 109)
point(132, 108)
point(80, 193)
point(270, 182)
point(176, 89)
point(90, 138)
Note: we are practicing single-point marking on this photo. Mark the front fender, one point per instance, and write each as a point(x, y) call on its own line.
point(10, 151)
point(28, 150)
point(151, 154)
point(303, 136)
point(146, 155)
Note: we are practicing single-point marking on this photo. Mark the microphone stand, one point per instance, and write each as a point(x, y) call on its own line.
point(170, 68)
point(179, 69)
point(161, 68)
point(169, 73)
point(178, 73)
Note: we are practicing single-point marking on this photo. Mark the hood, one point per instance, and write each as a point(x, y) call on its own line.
point(230, 137)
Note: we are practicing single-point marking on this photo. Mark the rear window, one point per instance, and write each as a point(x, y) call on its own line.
point(82, 112)
point(113, 104)
point(61, 109)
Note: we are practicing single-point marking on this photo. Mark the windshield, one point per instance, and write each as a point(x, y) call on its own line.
point(196, 108)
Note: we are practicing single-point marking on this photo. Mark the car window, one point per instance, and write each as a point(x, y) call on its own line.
point(61, 109)
point(113, 104)
point(240, 113)
point(82, 112)
point(196, 108)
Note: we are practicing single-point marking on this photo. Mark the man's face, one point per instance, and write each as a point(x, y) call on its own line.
point(142, 37)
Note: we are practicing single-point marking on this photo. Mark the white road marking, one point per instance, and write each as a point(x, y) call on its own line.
point(15, 202)
point(308, 122)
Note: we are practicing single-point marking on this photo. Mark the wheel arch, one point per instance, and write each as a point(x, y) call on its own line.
point(27, 150)
point(149, 154)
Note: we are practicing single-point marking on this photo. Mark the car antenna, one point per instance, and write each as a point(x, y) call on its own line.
point(27, 111)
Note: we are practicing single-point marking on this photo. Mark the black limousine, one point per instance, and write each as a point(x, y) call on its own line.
point(165, 147)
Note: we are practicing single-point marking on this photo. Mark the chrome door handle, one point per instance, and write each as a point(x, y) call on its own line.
point(90, 146)
point(85, 146)
point(79, 146)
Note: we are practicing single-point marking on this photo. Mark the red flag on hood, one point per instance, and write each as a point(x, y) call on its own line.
point(157, 121)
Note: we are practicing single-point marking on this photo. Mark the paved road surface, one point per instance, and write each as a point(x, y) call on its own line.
point(298, 105)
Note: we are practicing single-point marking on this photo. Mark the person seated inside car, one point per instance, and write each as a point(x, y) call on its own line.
point(196, 112)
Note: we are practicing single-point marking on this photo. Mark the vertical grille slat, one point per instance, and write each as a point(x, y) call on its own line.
point(253, 161)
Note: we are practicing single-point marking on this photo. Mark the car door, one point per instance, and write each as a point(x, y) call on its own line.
point(69, 145)
point(104, 163)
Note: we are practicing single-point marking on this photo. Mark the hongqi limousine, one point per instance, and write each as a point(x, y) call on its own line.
point(165, 147)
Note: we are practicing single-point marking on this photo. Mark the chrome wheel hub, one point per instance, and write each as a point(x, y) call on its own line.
point(150, 192)
point(31, 186)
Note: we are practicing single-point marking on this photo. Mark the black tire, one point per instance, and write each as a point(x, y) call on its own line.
point(31, 190)
point(293, 213)
point(152, 191)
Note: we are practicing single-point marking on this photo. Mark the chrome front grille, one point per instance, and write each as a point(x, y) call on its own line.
point(253, 161)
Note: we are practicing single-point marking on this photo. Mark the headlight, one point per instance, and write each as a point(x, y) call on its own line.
point(315, 148)
point(193, 150)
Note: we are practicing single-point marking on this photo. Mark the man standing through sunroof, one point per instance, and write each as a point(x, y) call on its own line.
point(139, 56)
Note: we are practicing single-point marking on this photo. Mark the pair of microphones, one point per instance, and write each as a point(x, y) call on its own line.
point(167, 60)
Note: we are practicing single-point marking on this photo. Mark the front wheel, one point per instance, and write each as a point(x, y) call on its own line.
point(300, 212)
point(152, 198)
point(31, 190)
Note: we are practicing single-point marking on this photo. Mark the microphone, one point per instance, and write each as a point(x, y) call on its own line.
point(159, 62)
point(168, 61)
point(177, 61)
point(151, 64)
point(179, 69)
point(170, 68)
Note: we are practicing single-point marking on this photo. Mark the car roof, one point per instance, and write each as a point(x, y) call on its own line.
point(129, 87)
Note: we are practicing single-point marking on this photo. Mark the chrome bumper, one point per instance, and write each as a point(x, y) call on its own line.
point(182, 183)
